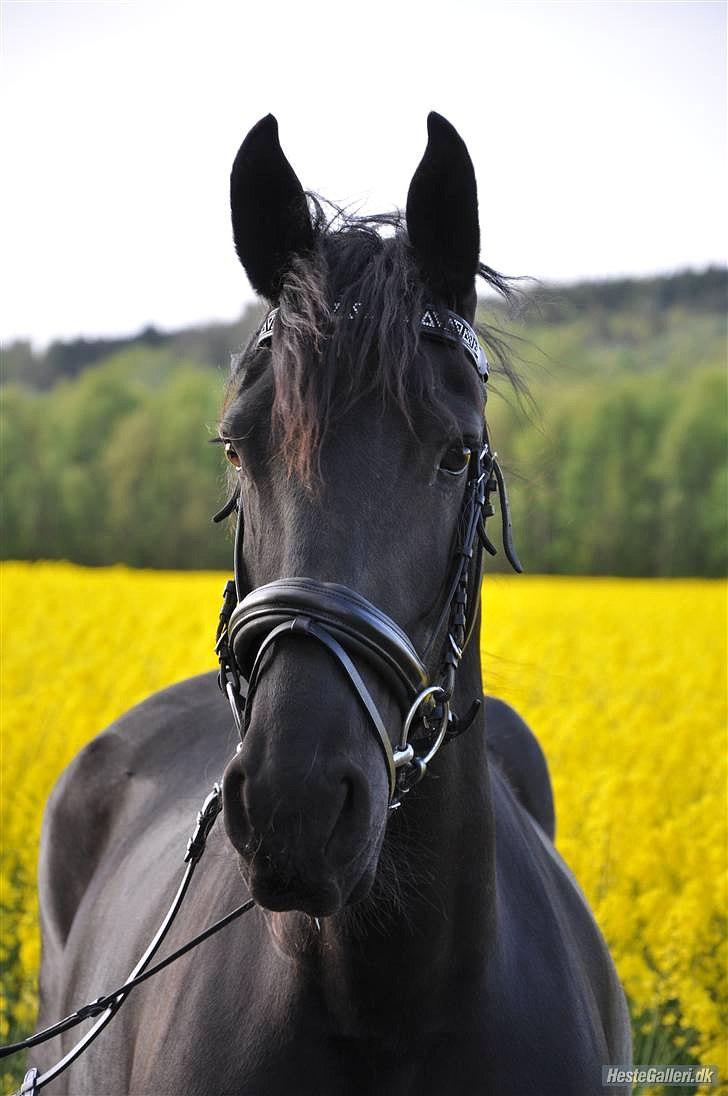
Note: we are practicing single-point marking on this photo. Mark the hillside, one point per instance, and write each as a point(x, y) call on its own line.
point(616, 458)
point(612, 314)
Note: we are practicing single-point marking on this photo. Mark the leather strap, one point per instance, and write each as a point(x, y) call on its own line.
point(30, 1083)
point(304, 626)
point(344, 614)
point(104, 1008)
point(438, 323)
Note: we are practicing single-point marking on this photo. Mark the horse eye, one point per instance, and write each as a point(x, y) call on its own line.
point(455, 460)
point(231, 455)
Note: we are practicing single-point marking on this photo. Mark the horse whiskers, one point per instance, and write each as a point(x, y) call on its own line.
point(400, 882)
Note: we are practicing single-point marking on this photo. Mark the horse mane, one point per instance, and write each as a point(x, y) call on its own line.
point(348, 325)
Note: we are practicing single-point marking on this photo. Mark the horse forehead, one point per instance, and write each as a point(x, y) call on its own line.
point(369, 466)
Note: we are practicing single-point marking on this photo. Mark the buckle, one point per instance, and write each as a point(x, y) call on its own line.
point(205, 821)
point(29, 1086)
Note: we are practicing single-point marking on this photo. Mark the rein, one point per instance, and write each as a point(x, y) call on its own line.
point(107, 1006)
point(348, 626)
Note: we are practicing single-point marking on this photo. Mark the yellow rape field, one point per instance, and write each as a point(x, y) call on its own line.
point(624, 681)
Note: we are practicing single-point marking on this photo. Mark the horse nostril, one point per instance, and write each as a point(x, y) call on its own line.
point(353, 814)
point(232, 784)
point(349, 794)
point(234, 813)
point(339, 814)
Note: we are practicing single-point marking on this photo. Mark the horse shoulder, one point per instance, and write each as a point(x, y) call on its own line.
point(517, 752)
point(557, 978)
point(606, 1003)
point(90, 800)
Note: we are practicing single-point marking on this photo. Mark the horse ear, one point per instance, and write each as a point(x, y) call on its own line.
point(442, 213)
point(271, 221)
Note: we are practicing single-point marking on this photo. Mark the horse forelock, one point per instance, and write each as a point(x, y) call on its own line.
point(348, 325)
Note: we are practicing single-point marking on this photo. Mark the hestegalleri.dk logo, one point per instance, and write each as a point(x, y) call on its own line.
point(676, 1076)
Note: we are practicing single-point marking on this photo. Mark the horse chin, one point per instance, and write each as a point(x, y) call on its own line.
point(322, 903)
point(316, 898)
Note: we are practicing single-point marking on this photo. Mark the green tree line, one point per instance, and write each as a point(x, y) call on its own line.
point(115, 466)
point(616, 465)
point(624, 479)
point(209, 345)
point(626, 308)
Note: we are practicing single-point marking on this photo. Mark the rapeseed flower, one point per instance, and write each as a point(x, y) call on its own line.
point(623, 681)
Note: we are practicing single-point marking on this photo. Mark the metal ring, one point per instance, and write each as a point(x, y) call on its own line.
point(425, 761)
point(417, 704)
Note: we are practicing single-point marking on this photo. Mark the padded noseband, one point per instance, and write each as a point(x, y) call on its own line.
point(345, 624)
point(361, 627)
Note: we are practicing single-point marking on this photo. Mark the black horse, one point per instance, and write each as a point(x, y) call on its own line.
point(439, 948)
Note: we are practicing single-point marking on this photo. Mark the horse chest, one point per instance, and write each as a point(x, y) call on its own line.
point(471, 1063)
point(451, 1064)
point(268, 1041)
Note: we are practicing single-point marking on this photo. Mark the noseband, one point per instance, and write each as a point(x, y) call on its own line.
point(351, 628)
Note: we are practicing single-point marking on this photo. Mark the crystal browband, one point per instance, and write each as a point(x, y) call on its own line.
point(453, 328)
point(437, 323)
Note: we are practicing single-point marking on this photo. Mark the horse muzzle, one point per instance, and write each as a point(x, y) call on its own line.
point(350, 628)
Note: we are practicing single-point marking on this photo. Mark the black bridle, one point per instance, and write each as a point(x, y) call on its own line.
point(349, 627)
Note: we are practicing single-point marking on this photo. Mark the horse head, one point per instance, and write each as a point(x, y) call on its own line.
point(360, 469)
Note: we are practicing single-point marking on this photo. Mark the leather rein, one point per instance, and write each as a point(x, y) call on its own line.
point(349, 627)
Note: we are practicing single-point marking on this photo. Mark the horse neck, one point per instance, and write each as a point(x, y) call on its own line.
point(423, 935)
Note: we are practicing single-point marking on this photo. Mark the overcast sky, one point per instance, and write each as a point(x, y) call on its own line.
point(598, 133)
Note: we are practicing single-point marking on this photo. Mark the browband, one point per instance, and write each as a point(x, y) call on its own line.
point(436, 323)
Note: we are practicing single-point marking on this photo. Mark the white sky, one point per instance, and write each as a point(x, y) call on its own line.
point(597, 129)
